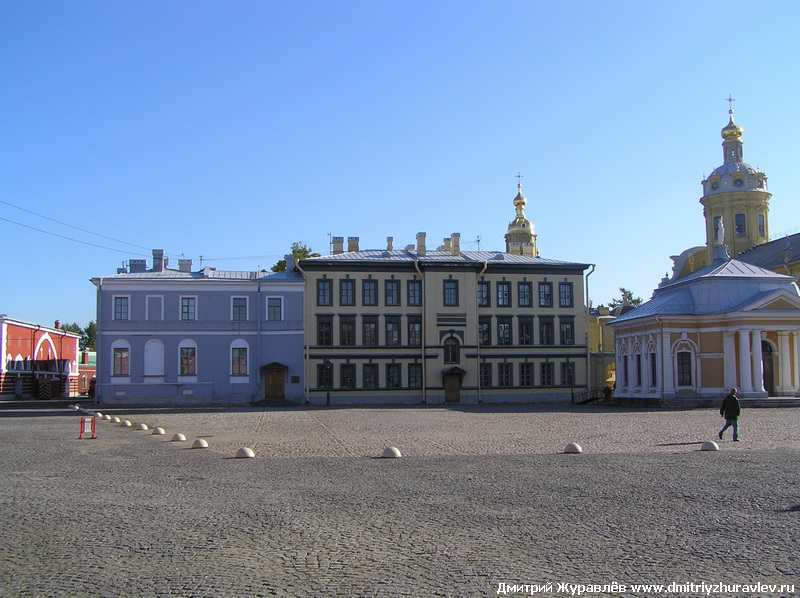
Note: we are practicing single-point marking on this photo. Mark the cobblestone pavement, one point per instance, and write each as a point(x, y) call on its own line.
point(483, 496)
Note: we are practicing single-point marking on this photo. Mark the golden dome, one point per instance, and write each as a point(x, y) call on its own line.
point(732, 130)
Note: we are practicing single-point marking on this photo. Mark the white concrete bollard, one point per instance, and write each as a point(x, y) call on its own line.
point(178, 437)
point(245, 453)
point(142, 427)
point(573, 448)
point(709, 445)
point(391, 452)
point(158, 431)
point(200, 443)
point(127, 423)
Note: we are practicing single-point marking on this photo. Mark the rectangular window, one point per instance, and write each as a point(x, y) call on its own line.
point(415, 292)
point(567, 329)
point(414, 375)
point(684, 368)
point(485, 373)
point(392, 292)
point(503, 294)
point(638, 360)
point(414, 331)
point(120, 308)
point(485, 330)
point(392, 330)
point(369, 292)
point(451, 293)
point(546, 374)
point(524, 293)
point(347, 330)
point(188, 361)
point(653, 370)
point(370, 330)
point(325, 331)
point(392, 375)
point(370, 371)
point(239, 308)
point(324, 292)
point(504, 331)
point(762, 231)
point(526, 374)
point(526, 330)
point(505, 374)
point(545, 294)
point(188, 308)
point(239, 361)
point(347, 292)
point(483, 294)
point(274, 309)
point(324, 375)
point(567, 374)
point(546, 331)
point(740, 224)
point(565, 294)
point(348, 372)
point(121, 364)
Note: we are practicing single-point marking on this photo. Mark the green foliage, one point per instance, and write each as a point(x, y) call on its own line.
point(300, 251)
point(626, 298)
point(88, 341)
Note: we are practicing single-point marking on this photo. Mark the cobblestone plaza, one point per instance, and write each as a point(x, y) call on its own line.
point(483, 499)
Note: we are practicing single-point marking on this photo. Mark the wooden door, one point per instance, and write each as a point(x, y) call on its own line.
point(452, 388)
point(274, 383)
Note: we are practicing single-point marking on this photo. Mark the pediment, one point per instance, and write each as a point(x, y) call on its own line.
point(780, 300)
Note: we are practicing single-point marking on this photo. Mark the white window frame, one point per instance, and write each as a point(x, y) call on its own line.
point(114, 308)
point(279, 298)
point(239, 343)
point(187, 343)
point(246, 307)
point(180, 308)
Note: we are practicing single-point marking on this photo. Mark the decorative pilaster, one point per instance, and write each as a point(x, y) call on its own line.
point(729, 359)
point(758, 364)
point(784, 361)
point(745, 378)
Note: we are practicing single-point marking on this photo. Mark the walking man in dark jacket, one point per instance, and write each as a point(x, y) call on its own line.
point(730, 410)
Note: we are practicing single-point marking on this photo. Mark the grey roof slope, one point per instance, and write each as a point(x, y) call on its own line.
point(205, 274)
point(465, 257)
point(724, 286)
point(772, 255)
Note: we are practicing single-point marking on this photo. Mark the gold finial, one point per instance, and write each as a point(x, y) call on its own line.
point(519, 183)
point(730, 101)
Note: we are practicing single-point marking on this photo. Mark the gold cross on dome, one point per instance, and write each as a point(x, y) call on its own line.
point(519, 182)
point(730, 101)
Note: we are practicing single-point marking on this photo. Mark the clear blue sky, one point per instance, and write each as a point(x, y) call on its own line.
point(230, 129)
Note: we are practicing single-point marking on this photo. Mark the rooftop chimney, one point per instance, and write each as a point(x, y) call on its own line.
point(185, 265)
point(338, 245)
point(420, 243)
point(57, 325)
point(352, 244)
point(446, 246)
point(137, 265)
point(389, 243)
point(158, 260)
point(455, 241)
point(289, 262)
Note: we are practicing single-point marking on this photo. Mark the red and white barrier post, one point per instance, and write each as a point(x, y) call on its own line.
point(87, 428)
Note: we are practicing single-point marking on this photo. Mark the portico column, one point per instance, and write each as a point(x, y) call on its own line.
point(729, 359)
point(668, 382)
point(783, 362)
point(758, 363)
point(796, 362)
point(745, 380)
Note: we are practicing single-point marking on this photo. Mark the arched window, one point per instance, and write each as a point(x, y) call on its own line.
point(187, 358)
point(452, 353)
point(239, 364)
point(154, 358)
point(120, 358)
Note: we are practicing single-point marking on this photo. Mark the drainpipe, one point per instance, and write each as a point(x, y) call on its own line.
point(477, 329)
point(305, 318)
point(258, 336)
point(97, 342)
point(661, 351)
point(588, 339)
point(422, 332)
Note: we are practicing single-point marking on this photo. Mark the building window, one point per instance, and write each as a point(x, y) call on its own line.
point(684, 368)
point(392, 375)
point(483, 294)
point(504, 331)
point(524, 293)
point(503, 294)
point(414, 375)
point(274, 309)
point(370, 330)
point(526, 330)
point(567, 374)
point(653, 370)
point(505, 374)
point(740, 223)
point(348, 373)
point(567, 329)
point(392, 330)
point(452, 353)
point(347, 292)
point(188, 361)
point(414, 292)
point(546, 373)
point(546, 331)
point(625, 377)
point(121, 361)
point(370, 372)
point(526, 374)
point(414, 331)
point(762, 231)
point(451, 293)
point(638, 362)
point(239, 309)
point(239, 361)
point(325, 331)
point(121, 308)
point(188, 308)
point(545, 294)
point(565, 294)
point(324, 375)
point(485, 330)
point(392, 292)
point(324, 292)
point(369, 292)
point(347, 330)
point(486, 375)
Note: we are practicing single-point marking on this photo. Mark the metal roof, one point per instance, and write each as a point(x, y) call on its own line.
point(774, 254)
point(377, 256)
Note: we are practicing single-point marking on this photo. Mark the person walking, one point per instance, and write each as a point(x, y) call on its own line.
point(730, 410)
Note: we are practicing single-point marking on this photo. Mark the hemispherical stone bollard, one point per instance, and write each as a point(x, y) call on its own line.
point(391, 452)
point(158, 431)
point(245, 453)
point(573, 448)
point(98, 414)
point(178, 437)
point(709, 445)
point(127, 423)
point(200, 443)
point(107, 417)
point(142, 427)
point(115, 419)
